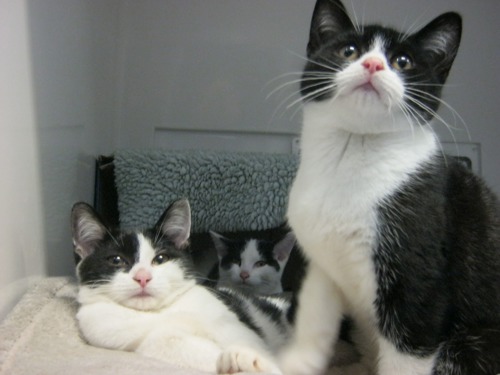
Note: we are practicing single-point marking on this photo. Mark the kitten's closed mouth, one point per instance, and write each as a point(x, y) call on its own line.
point(142, 294)
point(368, 87)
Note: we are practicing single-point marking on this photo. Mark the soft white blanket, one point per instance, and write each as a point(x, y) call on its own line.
point(41, 336)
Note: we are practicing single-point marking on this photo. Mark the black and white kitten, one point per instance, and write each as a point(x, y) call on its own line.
point(252, 265)
point(400, 238)
point(138, 293)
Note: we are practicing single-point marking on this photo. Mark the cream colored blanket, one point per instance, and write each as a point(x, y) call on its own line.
point(41, 336)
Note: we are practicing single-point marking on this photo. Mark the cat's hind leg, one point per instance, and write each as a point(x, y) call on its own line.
point(244, 359)
point(317, 325)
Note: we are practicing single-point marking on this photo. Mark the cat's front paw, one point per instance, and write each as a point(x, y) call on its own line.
point(301, 361)
point(243, 359)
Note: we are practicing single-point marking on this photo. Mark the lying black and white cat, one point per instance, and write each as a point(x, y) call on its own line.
point(253, 264)
point(399, 237)
point(137, 292)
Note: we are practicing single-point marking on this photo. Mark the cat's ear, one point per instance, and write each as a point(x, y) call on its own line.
point(440, 40)
point(284, 247)
point(87, 229)
point(329, 18)
point(175, 223)
point(219, 243)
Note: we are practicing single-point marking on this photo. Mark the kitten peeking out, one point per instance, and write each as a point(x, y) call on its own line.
point(137, 292)
point(400, 238)
point(252, 265)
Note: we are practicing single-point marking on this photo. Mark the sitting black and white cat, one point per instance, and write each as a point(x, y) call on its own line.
point(137, 292)
point(400, 238)
point(253, 265)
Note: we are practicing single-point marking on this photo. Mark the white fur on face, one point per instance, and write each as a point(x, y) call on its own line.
point(381, 107)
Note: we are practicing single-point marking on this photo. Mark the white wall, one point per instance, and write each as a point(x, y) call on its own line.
point(84, 77)
point(21, 232)
point(73, 47)
point(204, 65)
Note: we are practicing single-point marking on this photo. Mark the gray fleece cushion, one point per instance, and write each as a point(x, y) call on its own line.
point(227, 191)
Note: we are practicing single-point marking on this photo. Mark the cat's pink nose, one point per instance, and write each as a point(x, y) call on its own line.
point(143, 277)
point(244, 275)
point(373, 64)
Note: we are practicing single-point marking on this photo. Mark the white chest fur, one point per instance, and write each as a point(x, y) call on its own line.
point(341, 179)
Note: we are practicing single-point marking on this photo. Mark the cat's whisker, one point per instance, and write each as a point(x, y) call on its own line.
point(358, 26)
point(159, 232)
point(415, 26)
point(282, 106)
point(407, 115)
point(295, 74)
point(308, 97)
point(424, 124)
point(434, 115)
point(424, 95)
point(315, 94)
point(414, 99)
point(333, 67)
point(281, 86)
point(418, 118)
point(200, 277)
point(293, 82)
point(281, 76)
point(112, 237)
point(423, 84)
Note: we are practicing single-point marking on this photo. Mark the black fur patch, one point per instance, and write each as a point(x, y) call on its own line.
point(97, 268)
point(438, 265)
point(237, 303)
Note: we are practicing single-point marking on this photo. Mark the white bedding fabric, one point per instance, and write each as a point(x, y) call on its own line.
point(40, 336)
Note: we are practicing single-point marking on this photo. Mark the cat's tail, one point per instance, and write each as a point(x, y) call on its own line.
point(471, 352)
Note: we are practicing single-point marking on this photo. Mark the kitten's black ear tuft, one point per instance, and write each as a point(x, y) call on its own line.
point(175, 223)
point(219, 243)
point(441, 39)
point(284, 247)
point(329, 17)
point(87, 229)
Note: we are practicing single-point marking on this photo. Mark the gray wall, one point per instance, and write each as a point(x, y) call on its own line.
point(108, 74)
point(21, 231)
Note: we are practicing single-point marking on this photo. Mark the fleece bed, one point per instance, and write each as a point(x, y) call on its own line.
point(227, 191)
point(40, 337)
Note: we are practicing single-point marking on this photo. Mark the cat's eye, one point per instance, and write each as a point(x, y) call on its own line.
point(259, 264)
point(117, 261)
point(349, 52)
point(402, 62)
point(160, 259)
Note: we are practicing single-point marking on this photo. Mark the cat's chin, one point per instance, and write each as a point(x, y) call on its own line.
point(368, 99)
point(245, 286)
point(368, 89)
point(143, 302)
point(344, 114)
